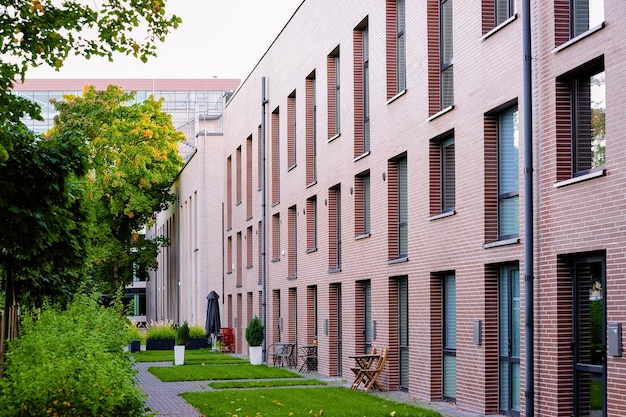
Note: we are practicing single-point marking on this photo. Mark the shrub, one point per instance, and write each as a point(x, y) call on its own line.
point(197, 331)
point(182, 334)
point(71, 363)
point(255, 332)
point(161, 330)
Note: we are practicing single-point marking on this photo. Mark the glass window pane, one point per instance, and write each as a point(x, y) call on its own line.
point(449, 376)
point(508, 210)
point(508, 151)
point(450, 312)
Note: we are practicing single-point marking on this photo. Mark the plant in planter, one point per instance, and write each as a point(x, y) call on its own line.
point(135, 337)
point(160, 335)
point(255, 334)
point(182, 338)
point(198, 338)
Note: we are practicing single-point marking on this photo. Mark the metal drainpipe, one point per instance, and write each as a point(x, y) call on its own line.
point(264, 101)
point(528, 215)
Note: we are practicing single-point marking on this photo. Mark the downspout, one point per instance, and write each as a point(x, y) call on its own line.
point(223, 257)
point(178, 255)
point(528, 216)
point(264, 101)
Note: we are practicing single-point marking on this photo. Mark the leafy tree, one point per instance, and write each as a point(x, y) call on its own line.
point(133, 151)
point(37, 32)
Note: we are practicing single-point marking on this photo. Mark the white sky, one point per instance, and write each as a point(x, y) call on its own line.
point(218, 38)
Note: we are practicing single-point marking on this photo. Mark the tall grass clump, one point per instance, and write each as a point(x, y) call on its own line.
point(71, 362)
point(162, 329)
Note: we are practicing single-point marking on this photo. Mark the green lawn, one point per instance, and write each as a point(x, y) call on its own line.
point(267, 383)
point(300, 402)
point(192, 357)
point(219, 372)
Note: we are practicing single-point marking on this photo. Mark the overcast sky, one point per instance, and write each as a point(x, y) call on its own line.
point(218, 38)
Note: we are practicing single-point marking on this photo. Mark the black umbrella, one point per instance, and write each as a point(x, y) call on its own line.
point(213, 323)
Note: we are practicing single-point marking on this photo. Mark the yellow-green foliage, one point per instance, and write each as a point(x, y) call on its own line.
point(71, 363)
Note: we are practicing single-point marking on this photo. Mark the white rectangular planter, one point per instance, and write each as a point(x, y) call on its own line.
point(179, 355)
point(256, 355)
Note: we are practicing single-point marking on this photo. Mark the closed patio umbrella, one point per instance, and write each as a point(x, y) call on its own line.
point(213, 323)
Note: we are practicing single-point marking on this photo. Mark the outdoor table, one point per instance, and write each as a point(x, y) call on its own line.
point(309, 358)
point(284, 354)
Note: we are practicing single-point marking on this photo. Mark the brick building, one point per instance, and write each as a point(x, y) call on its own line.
point(395, 205)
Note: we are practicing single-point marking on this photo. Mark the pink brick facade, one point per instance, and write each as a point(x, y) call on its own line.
point(338, 268)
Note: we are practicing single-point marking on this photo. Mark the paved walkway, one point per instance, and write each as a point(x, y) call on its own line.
point(164, 399)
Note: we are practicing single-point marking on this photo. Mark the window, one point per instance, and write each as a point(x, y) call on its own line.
point(398, 208)
point(440, 70)
point(334, 229)
point(292, 242)
point(229, 255)
point(361, 91)
point(334, 96)
point(581, 109)
point(238, 266)
point(445, 39)
point(311, 130)
point(403, 331)
point(396, 48)
point(502, 174)
point(249, 260)
point(275, 157)
point(575, 17)
point(238, 169)
point(449, 337)
point(260, 251)
point(508, 174)
point(362, 212)
point(311, 224)
point(291, 130)
point(442, 175)
point(496, 12)
point(276, 237)
point(249, 178)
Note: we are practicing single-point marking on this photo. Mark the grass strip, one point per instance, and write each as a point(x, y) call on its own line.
point(272, 383)
point(192, 357)
point(218, 372)
point(301, 402)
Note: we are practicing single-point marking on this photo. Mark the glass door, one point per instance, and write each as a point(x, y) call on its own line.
point(589, 337)
point(509, 339)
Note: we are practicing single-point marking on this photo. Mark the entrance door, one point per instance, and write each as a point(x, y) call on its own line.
point(509, 339)
point(403, 331)
point(589, 337)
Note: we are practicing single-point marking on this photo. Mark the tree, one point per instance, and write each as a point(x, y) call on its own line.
point(133, 153)
point(37, 32)
point(43, 223)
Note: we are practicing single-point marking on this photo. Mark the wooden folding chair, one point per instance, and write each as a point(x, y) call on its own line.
point(370, 376)
point(358, 376)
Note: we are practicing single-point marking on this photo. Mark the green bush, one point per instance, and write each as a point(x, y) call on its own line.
point(182, 334)
point(197, 331)
point(255, 332)
point(71, 363)
point(161, 330)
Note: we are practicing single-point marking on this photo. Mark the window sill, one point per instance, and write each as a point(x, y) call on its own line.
point(311, 250)
point(311, 184)
point(292, 167)
point(398, 261)
point(363, 155)
point(229, 272)
point(249, 266)
point(363, 236)
point(274, 204)
point(333, 138)
point(274, 260)
point(440, 113)
point(499, 27)
point(578, 38)
point(334, 271)
point(442, 215)
point(238, 203)
point(248, 218)
point(574, 180)
point(498, 243)
point(292, 277)
point(397, 96)
point(238, 286)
